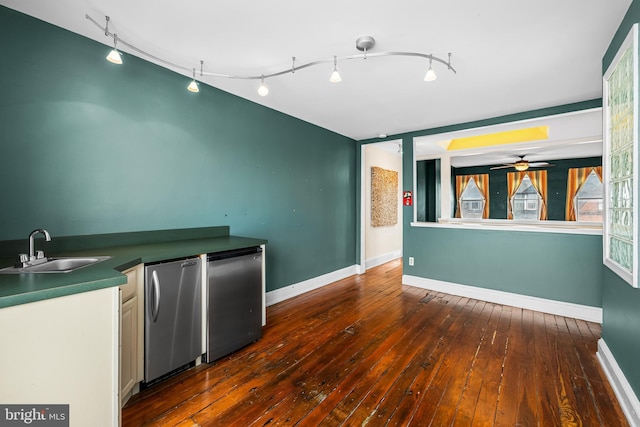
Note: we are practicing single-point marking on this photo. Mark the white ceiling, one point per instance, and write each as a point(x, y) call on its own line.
point(510, 56)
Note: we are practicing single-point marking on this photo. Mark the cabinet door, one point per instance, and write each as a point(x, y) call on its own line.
point(129, 347)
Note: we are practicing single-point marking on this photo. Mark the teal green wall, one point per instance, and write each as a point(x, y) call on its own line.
point(90, 147)
point(562, 267)
point(621, 302)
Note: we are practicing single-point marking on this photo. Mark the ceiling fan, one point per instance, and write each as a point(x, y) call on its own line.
point(522, 165)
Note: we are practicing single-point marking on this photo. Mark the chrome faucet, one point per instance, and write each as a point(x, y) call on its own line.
point(34, 257)
point(40, 254)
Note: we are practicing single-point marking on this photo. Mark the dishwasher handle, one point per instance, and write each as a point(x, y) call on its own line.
point(155, 296)
point(216, 256)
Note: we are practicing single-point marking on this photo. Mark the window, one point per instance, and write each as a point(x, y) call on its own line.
point(527, 195)
point(526, 202)
point(588, 200)
point(472, 194)
point(584, 194)
point(471, 201)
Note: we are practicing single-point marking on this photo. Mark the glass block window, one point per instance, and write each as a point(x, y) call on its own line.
point(620, 171)
point(621, 161)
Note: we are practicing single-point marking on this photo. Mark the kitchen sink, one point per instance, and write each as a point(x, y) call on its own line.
point(56, 265)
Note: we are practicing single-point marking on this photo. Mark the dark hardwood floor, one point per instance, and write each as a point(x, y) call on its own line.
point(370, 351)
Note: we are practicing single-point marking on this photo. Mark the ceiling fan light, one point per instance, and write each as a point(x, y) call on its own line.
point(114, 57)
point(521, 166)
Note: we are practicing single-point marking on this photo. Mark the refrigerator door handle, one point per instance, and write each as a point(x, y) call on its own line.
point(155, 307)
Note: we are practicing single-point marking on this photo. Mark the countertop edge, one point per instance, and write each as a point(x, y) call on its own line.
point(61, 291)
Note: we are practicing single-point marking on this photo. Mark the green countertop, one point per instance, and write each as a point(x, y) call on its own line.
point(16, 289)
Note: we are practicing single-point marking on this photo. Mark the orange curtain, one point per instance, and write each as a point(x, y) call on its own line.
point(514, 179)
point(482, 182)
point(576, 179)
point(461, 184)
point(539, 182)
point(598, 171)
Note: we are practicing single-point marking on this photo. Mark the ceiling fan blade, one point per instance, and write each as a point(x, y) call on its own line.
point(502, 167)
point(540, 164)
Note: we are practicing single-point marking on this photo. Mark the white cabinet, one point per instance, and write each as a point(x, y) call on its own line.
point(128, 349)
point(130, 333)
point(63, 350)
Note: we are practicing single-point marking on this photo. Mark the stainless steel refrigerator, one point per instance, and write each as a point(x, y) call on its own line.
point(173, 316)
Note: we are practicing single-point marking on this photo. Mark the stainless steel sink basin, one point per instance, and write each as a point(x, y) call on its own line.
point(56, 265)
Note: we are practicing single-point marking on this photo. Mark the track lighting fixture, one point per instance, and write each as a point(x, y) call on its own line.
point(263, 90)
point(363, 43)
point(193, 86)
point(335, 76)
point(114, 56)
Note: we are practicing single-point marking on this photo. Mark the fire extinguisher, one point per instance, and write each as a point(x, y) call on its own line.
point(408, 200)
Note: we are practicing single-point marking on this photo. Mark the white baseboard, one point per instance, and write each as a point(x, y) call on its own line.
point(382, 259)
point(279, 295)
point(621, 387)
point(567, 309)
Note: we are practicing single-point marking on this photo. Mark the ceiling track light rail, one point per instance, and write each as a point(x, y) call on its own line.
point(363, 43)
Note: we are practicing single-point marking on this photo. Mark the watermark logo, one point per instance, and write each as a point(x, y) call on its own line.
point(34, 415)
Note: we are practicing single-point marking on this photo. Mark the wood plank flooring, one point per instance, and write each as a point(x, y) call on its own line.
point(369, 351)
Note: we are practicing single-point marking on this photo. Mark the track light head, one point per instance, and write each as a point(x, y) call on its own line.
point(335, 76)
point(193, 87)
point(114, 57)
point(431, 75)
point(263, 90)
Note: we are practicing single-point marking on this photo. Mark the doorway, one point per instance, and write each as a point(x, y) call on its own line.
point(380, 242)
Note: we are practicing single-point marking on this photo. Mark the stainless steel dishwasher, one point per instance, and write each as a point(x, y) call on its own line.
point(173, 316)
point(234, 300)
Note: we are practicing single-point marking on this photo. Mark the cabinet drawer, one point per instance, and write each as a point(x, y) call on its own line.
point(130, 288)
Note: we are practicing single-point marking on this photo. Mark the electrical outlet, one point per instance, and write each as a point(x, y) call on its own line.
point(410, 260)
